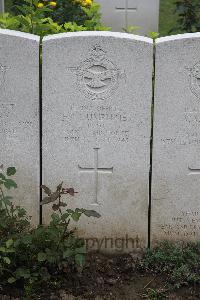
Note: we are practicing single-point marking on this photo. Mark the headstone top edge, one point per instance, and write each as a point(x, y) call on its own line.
point(178, 37)
point(98, 34)
point(20, 34)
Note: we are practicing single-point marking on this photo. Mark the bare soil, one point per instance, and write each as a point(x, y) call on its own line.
point(110, 278)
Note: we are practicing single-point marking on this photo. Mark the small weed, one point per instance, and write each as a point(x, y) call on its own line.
point(179, 262)
point(155, 294)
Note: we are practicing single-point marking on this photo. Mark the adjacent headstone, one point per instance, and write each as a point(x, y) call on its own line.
point(119, 14)
point(19, 115)
point(96, 131)
point(2, 6)
point(176, 151)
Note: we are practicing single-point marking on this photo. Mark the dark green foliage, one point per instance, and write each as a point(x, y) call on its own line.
point(65, 16)
point(65, 11)
point(180, 262)
point(14, 5)
point(31, 19)
point(188, 15)
point(31, 257)
point(68, 11)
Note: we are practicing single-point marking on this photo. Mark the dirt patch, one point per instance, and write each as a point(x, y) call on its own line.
point(110, 278)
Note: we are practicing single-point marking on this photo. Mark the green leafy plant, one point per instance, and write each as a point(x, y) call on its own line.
point(155, 294)
point(36, 19)
point(93, 21)
point(31, 257)
point(131, 29)
point(69, 11)
point(13, 219)
point(84, 13)
point(8, 21)
point(49, 17)
point(179, 262)
point(153, 35)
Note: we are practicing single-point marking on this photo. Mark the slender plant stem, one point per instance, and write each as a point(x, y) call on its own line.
point(3, 196)
point(66, 223)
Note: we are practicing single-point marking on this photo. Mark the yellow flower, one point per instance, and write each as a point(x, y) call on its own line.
point(88, 2)
point(83, 2)
point(40, 5)
point(52, 3)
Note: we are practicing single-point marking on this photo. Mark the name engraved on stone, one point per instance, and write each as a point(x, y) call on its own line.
point(106, 116)
point(9, 128)
point(6, 109)
point(111, 135)
point(185, 225)
point(72, 135)
point(7, 105)
point(96, 170)
point(194, 74)
point(103, 122)
point(97, 76)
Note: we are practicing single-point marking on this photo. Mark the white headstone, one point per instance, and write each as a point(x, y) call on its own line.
point(96, 129)
point(176, 154)
point(19, 115)
point(2, 6)
point(120, 14)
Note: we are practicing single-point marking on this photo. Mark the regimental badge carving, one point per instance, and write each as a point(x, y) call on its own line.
point(97, 76)
point(2, 74)
point(194, 73)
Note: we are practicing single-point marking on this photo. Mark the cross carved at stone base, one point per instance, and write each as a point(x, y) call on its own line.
point(194, 171)
point(96, 170)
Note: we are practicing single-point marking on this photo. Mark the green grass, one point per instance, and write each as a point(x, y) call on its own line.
point(168, 17)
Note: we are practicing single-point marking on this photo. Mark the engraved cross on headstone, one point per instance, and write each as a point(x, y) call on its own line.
point(194, 171)
point(130, 6)
point(96, 170)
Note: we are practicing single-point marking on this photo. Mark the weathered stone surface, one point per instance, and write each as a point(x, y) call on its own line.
point(2, 5)
point(119, 14)
point(19, 114)
point(176, 153)
point(96, 131)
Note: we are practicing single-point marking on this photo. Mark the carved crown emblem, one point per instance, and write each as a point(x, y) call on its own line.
point(97, 76)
